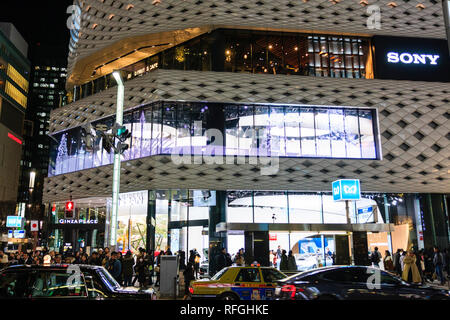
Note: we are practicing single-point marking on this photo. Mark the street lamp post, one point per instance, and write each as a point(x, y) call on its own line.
point(116, 172)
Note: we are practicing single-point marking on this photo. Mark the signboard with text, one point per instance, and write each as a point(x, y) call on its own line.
point(346, 189)
point(411, 59)
point(14, 222)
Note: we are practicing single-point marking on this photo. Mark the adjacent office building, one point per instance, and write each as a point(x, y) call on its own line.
point(14, 87)
point(242, 114)
point(47, 92)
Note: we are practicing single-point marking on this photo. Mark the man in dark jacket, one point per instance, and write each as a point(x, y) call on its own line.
point(284, 261)
point(114, 266)
point(439, 264)
point(94, 259)
point(221, 260)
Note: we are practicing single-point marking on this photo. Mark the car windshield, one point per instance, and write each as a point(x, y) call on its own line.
point(219, 274)
point(108, 279)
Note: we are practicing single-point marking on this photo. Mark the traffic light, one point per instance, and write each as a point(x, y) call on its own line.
point(123, 133)
point(69, 211)
point(122, 147)
point(87, 137)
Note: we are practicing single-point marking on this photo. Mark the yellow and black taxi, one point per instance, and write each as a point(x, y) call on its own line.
point(238, 283)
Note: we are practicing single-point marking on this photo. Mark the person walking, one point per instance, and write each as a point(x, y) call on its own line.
point(292, 264)
point(188, 277)
point(127, 268)
point(375, 258)
point(410, 270)
point(402, 257)
point(284, 266)
point(387, 262)
point(438, 262)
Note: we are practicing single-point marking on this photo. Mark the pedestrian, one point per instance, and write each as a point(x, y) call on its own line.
point(188, 277)
point(127, 268)
point(410, 270)
point(402, 257)
point(239, 258)
point(197, 263)
point(114, 266)
point(284, 261)
point(220, 260)
point(83, 259)
point(271, 256)
point(375, 258)
point(438, 262)
point(158, 268)
point(292, 264)
point(387, 262)
point(94, 259)
point(279, 252)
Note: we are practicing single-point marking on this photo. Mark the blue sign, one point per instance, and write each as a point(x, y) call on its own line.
point(346, 190)
point(16, 234)
point(365, 210)
point(14, 222)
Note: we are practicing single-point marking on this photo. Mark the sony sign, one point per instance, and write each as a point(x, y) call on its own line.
point(408, 58)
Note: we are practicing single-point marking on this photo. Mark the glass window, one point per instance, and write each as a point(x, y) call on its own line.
point(307, 132)
point(270, 207)
point(58, 284)
point(368, 150)
point(338, 146)
point(260, 54)
point(272, 275)
point(13, 285)
point(334, 211)
point(136, 137)
point(352, 133)
point(292, 129)
point(179, 205)
point(323, 135)
point(155, 146)
point(146, 132)
point(275, 54)
point(248, 275)
point(338, 275)
point(249, 130)
point(305, 207)
point(239, 206)
point(277, 132)
point(232, 129)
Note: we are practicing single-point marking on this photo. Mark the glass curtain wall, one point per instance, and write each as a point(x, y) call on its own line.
point(253, 52)
point(249, 130)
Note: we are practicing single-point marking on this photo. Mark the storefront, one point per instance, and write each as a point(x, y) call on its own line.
point(86, 229)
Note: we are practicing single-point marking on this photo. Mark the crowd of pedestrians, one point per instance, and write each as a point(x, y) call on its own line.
point(418, 266)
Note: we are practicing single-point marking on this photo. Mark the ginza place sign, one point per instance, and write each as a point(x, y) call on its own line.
point(408, 58)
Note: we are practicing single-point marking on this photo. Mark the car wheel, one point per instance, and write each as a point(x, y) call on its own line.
point(228, 296)
point(326, 297)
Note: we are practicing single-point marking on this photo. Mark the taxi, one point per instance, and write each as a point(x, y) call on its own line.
point(238, 283)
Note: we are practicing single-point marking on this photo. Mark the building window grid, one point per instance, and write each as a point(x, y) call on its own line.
point(319, 68)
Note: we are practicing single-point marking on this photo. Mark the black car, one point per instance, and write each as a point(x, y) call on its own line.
point(79, 282)
point(353, 283)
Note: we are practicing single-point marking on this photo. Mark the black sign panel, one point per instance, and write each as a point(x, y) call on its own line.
point(411, 59)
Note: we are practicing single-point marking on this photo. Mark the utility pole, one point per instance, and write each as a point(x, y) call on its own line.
point(116, 172)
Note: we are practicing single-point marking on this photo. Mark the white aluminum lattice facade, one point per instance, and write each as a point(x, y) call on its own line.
point(414, 116)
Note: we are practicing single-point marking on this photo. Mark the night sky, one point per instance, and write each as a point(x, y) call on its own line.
point(42, 23)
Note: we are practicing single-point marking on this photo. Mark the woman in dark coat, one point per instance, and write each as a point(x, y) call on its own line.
point(284, 266)
point(127, 268)
point(292, 264)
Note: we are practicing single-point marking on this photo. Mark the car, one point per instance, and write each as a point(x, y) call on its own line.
point(310, 261)
point(65, 281)
point(238, 283)
point(353, 283)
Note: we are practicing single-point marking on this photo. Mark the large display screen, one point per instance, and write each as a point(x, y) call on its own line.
point(411, 59)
